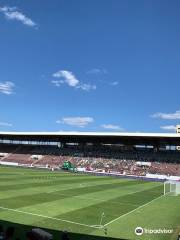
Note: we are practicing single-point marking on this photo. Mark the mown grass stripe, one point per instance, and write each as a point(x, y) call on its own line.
point(47, 217)
point(48, 183)
point(26, 200)
point(120, 205)
point(141, 206)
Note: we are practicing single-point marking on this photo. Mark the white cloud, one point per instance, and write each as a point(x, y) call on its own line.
point(6, 87)
point(57, 83)
point(12, 13)
point(87, 87)
point(112, 127)
point(97, 71)
point(168, 116)
point(115, 83)
point(76, 121)
point(169, 128)
point(5, 124)
point(67, 77)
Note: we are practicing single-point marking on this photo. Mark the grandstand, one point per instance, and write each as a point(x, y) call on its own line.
point(144, 164)
point(123, 153)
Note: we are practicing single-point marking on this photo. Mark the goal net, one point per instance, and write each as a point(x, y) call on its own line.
point(172, 188)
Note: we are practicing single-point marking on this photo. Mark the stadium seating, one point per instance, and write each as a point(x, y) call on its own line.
point(104, 158)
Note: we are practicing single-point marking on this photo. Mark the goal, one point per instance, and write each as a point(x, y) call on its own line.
point(172, 188)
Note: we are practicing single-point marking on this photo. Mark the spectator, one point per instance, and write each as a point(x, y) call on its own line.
point(38, 234)
point(65, 236)
point(1, 233)
point(9, 233)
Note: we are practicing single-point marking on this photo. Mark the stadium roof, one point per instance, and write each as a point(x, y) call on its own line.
point(95, 137)
point(61, 133)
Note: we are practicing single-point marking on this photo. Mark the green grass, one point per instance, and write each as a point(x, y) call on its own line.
point(75, 202)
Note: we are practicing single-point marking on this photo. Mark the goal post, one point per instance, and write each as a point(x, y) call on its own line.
point(172, 188)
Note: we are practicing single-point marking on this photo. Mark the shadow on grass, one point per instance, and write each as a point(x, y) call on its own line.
point(21, 231)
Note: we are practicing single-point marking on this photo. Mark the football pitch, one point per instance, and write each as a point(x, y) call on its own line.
point(95, 205)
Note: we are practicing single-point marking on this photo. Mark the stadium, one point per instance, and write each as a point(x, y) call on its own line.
point(93, 184)
point(89, 114)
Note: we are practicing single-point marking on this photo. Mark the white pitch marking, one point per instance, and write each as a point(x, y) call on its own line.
point(53, 218)
point(132, 211)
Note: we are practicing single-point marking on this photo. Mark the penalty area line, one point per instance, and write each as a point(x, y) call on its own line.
point(132, 211)
point(48, 217)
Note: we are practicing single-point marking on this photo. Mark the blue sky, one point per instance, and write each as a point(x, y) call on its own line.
point(87, 65)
